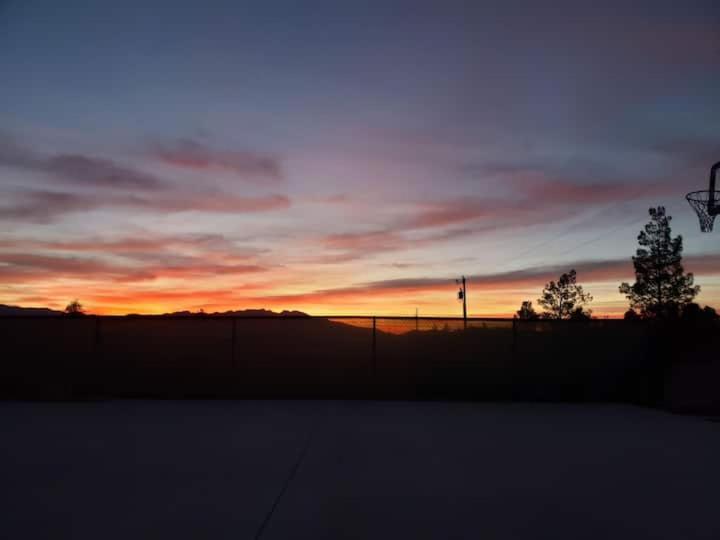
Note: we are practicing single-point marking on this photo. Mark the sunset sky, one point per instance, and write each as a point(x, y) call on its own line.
point(348, 157)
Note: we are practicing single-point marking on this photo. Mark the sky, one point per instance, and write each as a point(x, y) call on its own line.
point(348, 157)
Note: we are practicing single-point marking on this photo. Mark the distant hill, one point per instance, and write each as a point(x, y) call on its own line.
point(235, 313)
point(22, 311)
point(261, 313)
point(240, 313)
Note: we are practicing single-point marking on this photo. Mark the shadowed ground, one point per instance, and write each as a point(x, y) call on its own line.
point(139, 469)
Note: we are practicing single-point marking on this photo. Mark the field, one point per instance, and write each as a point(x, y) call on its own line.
point(360, 469)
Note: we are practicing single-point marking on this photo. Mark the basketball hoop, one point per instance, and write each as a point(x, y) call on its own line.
point(705, 207)
point(706, 203)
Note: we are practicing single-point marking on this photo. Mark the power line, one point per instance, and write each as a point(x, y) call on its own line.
point(600, 236)
point(641, 192)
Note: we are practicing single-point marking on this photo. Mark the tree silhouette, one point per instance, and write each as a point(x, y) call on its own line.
point(580, 314)
point(526, 311)
point(74, 308)
point(662, 288)
point(694, 313)
point(565, 299)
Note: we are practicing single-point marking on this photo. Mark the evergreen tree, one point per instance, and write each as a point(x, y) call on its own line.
point(565, 299)
point(662, 288)
point(526, 311)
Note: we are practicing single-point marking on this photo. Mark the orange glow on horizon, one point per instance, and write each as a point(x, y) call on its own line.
point(200, 288)
point(434, 301)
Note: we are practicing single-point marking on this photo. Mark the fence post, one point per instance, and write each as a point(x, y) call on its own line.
point(97, 338)
point(234, 343)
point(514, 340)
point(374, 350)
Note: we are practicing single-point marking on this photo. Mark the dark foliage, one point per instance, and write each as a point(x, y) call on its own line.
point(694, 313)
point(662, 288)
point(74, 308)
point(527, 312)
point(579, 314)
point(565, 299)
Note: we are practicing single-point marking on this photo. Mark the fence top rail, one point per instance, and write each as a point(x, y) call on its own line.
point(207, 316)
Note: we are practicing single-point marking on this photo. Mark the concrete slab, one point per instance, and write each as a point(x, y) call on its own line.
point(192, 469)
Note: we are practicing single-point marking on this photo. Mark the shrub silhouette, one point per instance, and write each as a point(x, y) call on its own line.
point(74, 308)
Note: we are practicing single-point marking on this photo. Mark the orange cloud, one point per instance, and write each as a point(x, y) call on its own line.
point(25, 268)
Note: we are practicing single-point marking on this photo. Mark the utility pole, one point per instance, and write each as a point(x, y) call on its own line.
point(462, 295)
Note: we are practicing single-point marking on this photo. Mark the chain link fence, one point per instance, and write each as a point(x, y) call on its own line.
point(338, 357)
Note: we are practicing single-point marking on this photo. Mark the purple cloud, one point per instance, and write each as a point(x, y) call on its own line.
point(191, 154)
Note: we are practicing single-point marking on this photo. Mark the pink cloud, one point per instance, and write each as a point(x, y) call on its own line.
point(23, 268)
point(613, 270)
point(146, 248)
point(191, 154)
point(534, 200)
point(46, 206)
point(119, 186)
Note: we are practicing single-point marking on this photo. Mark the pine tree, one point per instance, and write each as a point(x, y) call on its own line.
point(526, 311)
point(565, 299)
point(661, 288)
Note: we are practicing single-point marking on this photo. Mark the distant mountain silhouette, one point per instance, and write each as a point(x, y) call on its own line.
point(21, 311)
point(28, 311)
point(237, 313)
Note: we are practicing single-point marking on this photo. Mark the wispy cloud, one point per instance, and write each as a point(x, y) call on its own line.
point(192, 154)
point(141, 257)
point(533, 200)
point(108, 184)
point(32, 267)
point(144, 245)
point(614, 270)
point(43, 206)
point(97, 172)
point(77, 169)
point(345, 247)
point(218, 202)
point(690, 151)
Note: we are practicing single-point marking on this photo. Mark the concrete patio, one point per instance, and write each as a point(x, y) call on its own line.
point(375, 470)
